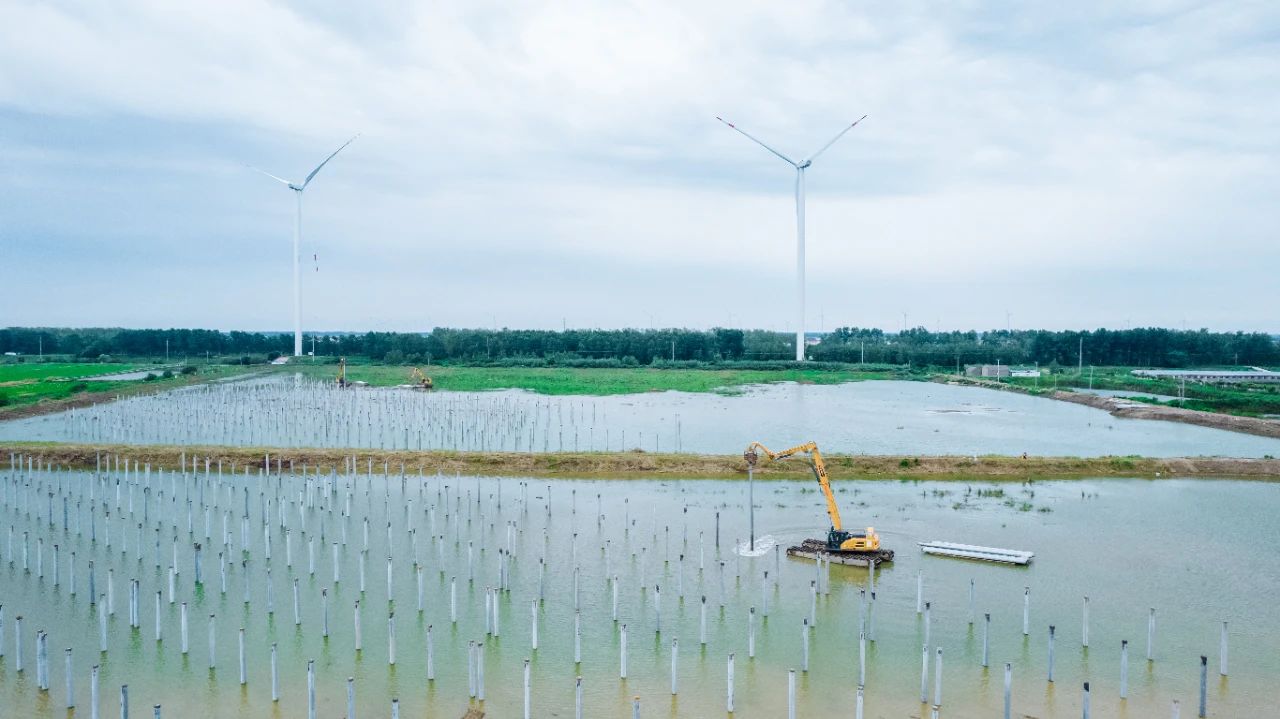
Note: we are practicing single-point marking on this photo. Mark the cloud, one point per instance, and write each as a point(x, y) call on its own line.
point(538, 160)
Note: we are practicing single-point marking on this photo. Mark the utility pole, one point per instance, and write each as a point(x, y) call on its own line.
point(1080, 354)
point(41, 339)
point(166, 351)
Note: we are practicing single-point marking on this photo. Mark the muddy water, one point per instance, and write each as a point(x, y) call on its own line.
point(1195, 550)
point(884, 418)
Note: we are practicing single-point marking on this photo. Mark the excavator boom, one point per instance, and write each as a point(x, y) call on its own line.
point(819, 471)
point(851, 547)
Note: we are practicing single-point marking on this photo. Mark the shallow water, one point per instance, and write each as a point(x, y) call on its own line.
point(880, 417)
point(1193, 549)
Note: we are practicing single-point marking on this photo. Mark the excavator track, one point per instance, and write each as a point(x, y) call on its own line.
point(815, 548)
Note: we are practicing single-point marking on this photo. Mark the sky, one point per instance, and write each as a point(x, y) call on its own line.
point(540, 165)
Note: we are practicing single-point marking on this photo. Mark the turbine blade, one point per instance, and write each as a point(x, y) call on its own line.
point(761, 144)
point(326, 160)
point(814, 156)
point(268, 174)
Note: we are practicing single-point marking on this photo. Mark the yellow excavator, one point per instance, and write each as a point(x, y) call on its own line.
point(342, 381)
point(420, 380)
point(841, 546)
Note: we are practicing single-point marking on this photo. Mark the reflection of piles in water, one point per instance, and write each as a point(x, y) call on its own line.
point(308, 413)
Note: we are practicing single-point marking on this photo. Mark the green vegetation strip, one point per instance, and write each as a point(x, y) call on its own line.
point(586, 381)
point(32, 389)
point(645, 465)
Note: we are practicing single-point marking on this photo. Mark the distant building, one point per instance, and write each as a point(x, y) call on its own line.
point(987, 370)
point(1256, 374)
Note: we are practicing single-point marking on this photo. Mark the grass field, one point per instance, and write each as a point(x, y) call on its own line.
point(58, 383)
point(594, 381)
point(49, 370)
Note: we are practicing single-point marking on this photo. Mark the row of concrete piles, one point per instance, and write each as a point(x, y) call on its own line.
point(159, 526)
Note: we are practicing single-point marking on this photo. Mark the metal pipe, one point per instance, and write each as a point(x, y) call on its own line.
point(804, 645)
point(924, 674)
point(1084, 631)
point(1008, 690)
point(937, 680)
point(1124, 668)
point(791, 694)
point(675, 657)
point(729, 697)
point(1204, 684)
point(1222, 651)
point(527, 713)
point(622, 671)
point(1051, 635)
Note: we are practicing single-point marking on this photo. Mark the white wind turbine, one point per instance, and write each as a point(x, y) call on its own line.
point(297, 242)
point(800, 168)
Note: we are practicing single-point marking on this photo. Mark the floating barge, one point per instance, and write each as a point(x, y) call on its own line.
point(816, 548)
point(971, 551)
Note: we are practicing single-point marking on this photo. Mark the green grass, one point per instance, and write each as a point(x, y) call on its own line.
point(31, 383)
point(1245, 400)
point(44, 370)
point(593, 381)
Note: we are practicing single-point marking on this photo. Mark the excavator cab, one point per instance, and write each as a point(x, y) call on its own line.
point(839, 540)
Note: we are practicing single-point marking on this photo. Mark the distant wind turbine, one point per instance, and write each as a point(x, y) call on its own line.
point(297, 241)
point(800, 168)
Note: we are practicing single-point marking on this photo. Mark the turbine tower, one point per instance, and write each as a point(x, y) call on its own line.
point(800, 168)
point(297, 241)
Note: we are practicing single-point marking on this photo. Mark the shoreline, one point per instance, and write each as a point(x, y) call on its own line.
point(1129, 409)
point(643, 465)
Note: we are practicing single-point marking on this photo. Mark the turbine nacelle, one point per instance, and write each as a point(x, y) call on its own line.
point(804, 164)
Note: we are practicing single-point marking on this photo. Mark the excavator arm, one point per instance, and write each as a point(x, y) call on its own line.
point(819, 471)
point(855, 547)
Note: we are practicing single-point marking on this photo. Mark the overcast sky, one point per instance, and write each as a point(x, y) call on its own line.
point(533, 164)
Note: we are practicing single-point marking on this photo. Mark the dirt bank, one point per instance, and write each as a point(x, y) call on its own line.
point(1129, 409)
point(645, 465)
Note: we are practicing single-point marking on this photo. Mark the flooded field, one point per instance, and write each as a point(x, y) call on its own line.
point(327, 564)
point(879, 418)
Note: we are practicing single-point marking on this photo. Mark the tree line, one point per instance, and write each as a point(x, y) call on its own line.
point(1148, 347)
point(1138, 347)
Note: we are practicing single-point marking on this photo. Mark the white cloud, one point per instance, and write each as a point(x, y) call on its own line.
point(578, 140)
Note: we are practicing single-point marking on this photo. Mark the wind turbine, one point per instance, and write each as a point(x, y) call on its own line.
point(297, 241)
point(800, 168)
